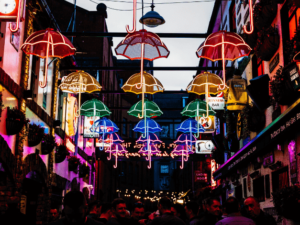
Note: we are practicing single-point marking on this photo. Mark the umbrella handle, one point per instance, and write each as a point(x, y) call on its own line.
point(149, 166)
point(144, 135)
point(109, 157)
point(116, 160)
point(251, 20)
point(182, 162)
point(222, 87)
point(13, 30)
point(134, 19)
point(43, 85)
point(79, 103)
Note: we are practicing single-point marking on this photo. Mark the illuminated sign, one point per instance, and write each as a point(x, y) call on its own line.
point(204, 146)
point(72, 120)
point(213, 169)
point(100, 143)
point(208, 123)
point(69, 145)
point(217, 103)
point(88, 123)
point(200, 177)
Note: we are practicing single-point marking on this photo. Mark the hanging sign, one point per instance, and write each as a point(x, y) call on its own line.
point(213, 169)
point(72, 120)
point(217, 103)
point(204, 146)
point(200, 176)
point(88, 123)
point(208, 123)
point(100, 143)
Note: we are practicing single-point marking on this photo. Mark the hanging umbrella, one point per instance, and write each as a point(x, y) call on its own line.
point(48, 43)
point(150, 109)
point(223, 45)
point(150, 124)
point(149, 150)
point(111, 138)
point(190, 126)
point(152, 85)
point(152, 138)
point(183, 151)
point(116, 149)
point(79, 82)
point(184, 138)
point(197, 108)
point(104, 126)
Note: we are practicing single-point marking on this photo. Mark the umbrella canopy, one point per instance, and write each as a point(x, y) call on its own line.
point(111, 138)
point(79, 82)
point(150, 109)
point(48, 43)
point(197, 108)
point(152, 138)
point(116, 149)
point(185, 138)
point(131, 46)
point(183, 151)
point(149, 125)
point(223, 45)
point(205, 83)
point(104, 125)
point(190, 126)
point(152, 85)
point(152, 149)
point(94, 107)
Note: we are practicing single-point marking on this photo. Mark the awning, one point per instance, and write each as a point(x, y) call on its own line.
point(285, 123)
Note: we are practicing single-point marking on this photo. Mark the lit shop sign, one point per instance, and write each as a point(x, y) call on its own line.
point(136, 154)
point(204, 146)
point(250, 152)
point(100, 143)
point(200, 177)
point(208, 123)
point(72, 120)
point(217, 103)
point(69, 145)
point(88, 123)
point(213, 169)
point(286, 125)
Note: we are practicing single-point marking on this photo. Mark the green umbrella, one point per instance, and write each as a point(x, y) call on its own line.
point(150, 109)
point(94, 107)
point(198, 108)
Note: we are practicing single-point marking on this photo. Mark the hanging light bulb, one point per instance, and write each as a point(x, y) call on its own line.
point(152, 18)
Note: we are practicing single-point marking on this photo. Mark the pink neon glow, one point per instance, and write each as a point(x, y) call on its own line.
point(134, 19)
point(18, 19)
point(142, 68)
point(251, 20)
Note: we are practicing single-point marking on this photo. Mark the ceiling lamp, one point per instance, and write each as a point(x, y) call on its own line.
point(152, 18)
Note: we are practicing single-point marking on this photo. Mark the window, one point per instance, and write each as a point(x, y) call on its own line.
point(124, 127)
point(259, 189)
point(184, 101)
point(280, 179)
point(294, 22)
point(245, 187)
point(130, 130)
point(238, 192)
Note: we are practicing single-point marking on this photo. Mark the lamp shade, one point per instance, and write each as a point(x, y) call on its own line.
point(152, 19)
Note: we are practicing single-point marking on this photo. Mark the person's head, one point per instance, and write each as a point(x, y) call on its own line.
point(191, 209)
point(232, 205)
point(75, 207)
point(106, 210)
point(54, 214)
point(252, 207)
point(138, 211)
point(119, 207)
point(213, 206)
point(94, 208)
point(178, 210)
point(164, 204)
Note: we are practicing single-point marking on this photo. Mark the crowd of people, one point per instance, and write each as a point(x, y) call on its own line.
point(77, 212)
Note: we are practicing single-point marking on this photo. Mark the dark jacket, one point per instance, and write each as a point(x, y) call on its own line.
point(14, 217)
point(208, 219)
point(167, 219)
point(89, 221)
point(195, 220)
point(119, 221)
point(264, 219)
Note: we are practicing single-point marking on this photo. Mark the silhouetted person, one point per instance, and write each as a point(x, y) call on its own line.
point(234, 216)
point(105, 213)
point(119, 213)
point(191, 210)
point(179, 211)
point(94, 210)
point(167, 217)
point(138, 211)
point(54, 214)
point(75, 209)
point(13, 216)
point(254, 212)
point(212, 212)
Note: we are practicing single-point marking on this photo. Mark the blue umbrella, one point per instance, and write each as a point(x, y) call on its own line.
point(147, 125)
point(104, 126)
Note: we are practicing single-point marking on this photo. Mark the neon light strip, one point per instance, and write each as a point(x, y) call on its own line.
point(134, 19)
point(251, 20)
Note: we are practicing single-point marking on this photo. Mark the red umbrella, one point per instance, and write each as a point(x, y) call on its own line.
point(223, 45)
point(48, 43)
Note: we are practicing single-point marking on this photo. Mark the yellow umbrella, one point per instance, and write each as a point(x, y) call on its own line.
point(79, 82)
point(150, 84)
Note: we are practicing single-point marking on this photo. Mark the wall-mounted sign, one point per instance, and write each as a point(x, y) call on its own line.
point(204, 146)
point(200, 176)
point(88, 123)
point(217, 103)
point(72, 120)
point(70, 145)
point(208, 123)
point(100, 143)
point(273, 63)
point(23, 204)
point(213, 169)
